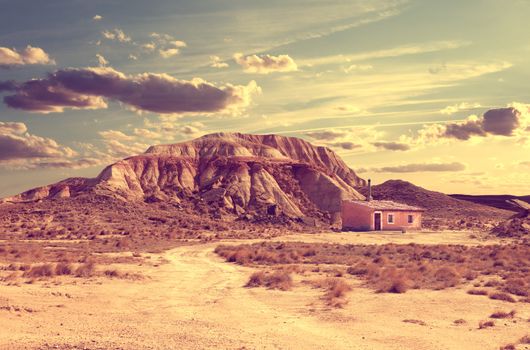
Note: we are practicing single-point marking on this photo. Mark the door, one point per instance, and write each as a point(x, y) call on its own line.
point(377, 221)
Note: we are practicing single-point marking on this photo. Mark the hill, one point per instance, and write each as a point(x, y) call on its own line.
point(229, 175)
point(497, 201)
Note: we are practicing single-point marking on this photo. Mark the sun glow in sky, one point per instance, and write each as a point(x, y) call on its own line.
point(434, 92)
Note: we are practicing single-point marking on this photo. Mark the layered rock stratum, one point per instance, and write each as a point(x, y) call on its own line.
point(230, 173)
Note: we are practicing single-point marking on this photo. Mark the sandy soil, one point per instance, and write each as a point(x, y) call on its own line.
point(191, 299)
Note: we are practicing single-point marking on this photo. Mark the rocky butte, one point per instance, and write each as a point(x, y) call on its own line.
point(231, 173)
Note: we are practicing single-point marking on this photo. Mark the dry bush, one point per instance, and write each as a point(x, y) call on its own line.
point(112, 273)
point(63, 269)
point(516, 286)
point(392, 281)
point(503, 297)
point(418, 266)
point(336, 289)
point(276, 280)
point(41, 270)
point(508, 347)
point(477, 292)
point(459, 321)
point(85, 270)
point(502, 314)
point(418, 322)
point(485, 324)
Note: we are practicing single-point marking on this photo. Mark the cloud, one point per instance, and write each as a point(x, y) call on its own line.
point(115, 135)
point(426, 167)
point(102, 60)
point(169, 52)
point(501, 121)
point(149, 46)
point(404, 50)
point(97, 18)
point(392, 146)
point(450, 110)
point(178, 43)
point(116, 34)
point(265, 64)
point(325, 135)
point(346, 145)
point(216, 62)
point(16, 144)
point(29, 56)
point(87, 88)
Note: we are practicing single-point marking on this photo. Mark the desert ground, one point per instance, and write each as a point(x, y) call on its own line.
point(189, 297)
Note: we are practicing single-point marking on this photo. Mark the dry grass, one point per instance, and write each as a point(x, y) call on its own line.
point(335, 291)
point(418, 322)
point(393, 268)
point(276, 280)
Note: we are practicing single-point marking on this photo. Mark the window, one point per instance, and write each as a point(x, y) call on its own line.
point(411, 219)
point(390, 218)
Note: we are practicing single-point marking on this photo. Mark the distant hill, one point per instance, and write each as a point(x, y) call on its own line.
point(497, 201)
point(442, 211)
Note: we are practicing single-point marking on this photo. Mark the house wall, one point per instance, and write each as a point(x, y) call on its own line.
point(401, 220)
point(356, 217)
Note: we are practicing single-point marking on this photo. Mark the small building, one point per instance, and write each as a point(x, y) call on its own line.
point(379, 215)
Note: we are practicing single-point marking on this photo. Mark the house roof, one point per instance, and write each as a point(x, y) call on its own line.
point(387, 205)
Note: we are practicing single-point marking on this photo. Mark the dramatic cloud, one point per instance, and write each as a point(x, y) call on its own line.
point(502, 121)
point(265, 64)
point(392, 146)
point(116, 34)
point(16, 144)
point(30, 55)
point(427, 167)
point(216, 62)
point(87, 88)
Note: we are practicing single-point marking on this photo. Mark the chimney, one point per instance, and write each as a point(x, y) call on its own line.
point(369, 197)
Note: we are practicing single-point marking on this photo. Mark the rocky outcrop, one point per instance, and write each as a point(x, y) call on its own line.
point(230, 173)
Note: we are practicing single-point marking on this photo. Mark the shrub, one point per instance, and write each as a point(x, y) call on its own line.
point(277, 280)
point(43, 270)
point(502, 314)
point(516, 286)
point(63, 269)
point(336, 290)
point(508, 347)
point(85, 270)
point(503, 297)
point(459, 321)
point(485, 324)
point(477, 292)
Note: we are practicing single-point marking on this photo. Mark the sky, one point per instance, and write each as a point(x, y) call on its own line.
point(432, 92)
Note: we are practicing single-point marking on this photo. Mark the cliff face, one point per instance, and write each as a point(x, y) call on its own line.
point(230, 172)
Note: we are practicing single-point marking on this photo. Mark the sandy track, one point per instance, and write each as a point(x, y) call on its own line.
point(197, 301)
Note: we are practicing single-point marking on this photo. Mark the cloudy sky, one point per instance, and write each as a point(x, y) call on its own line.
point(434, 92)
